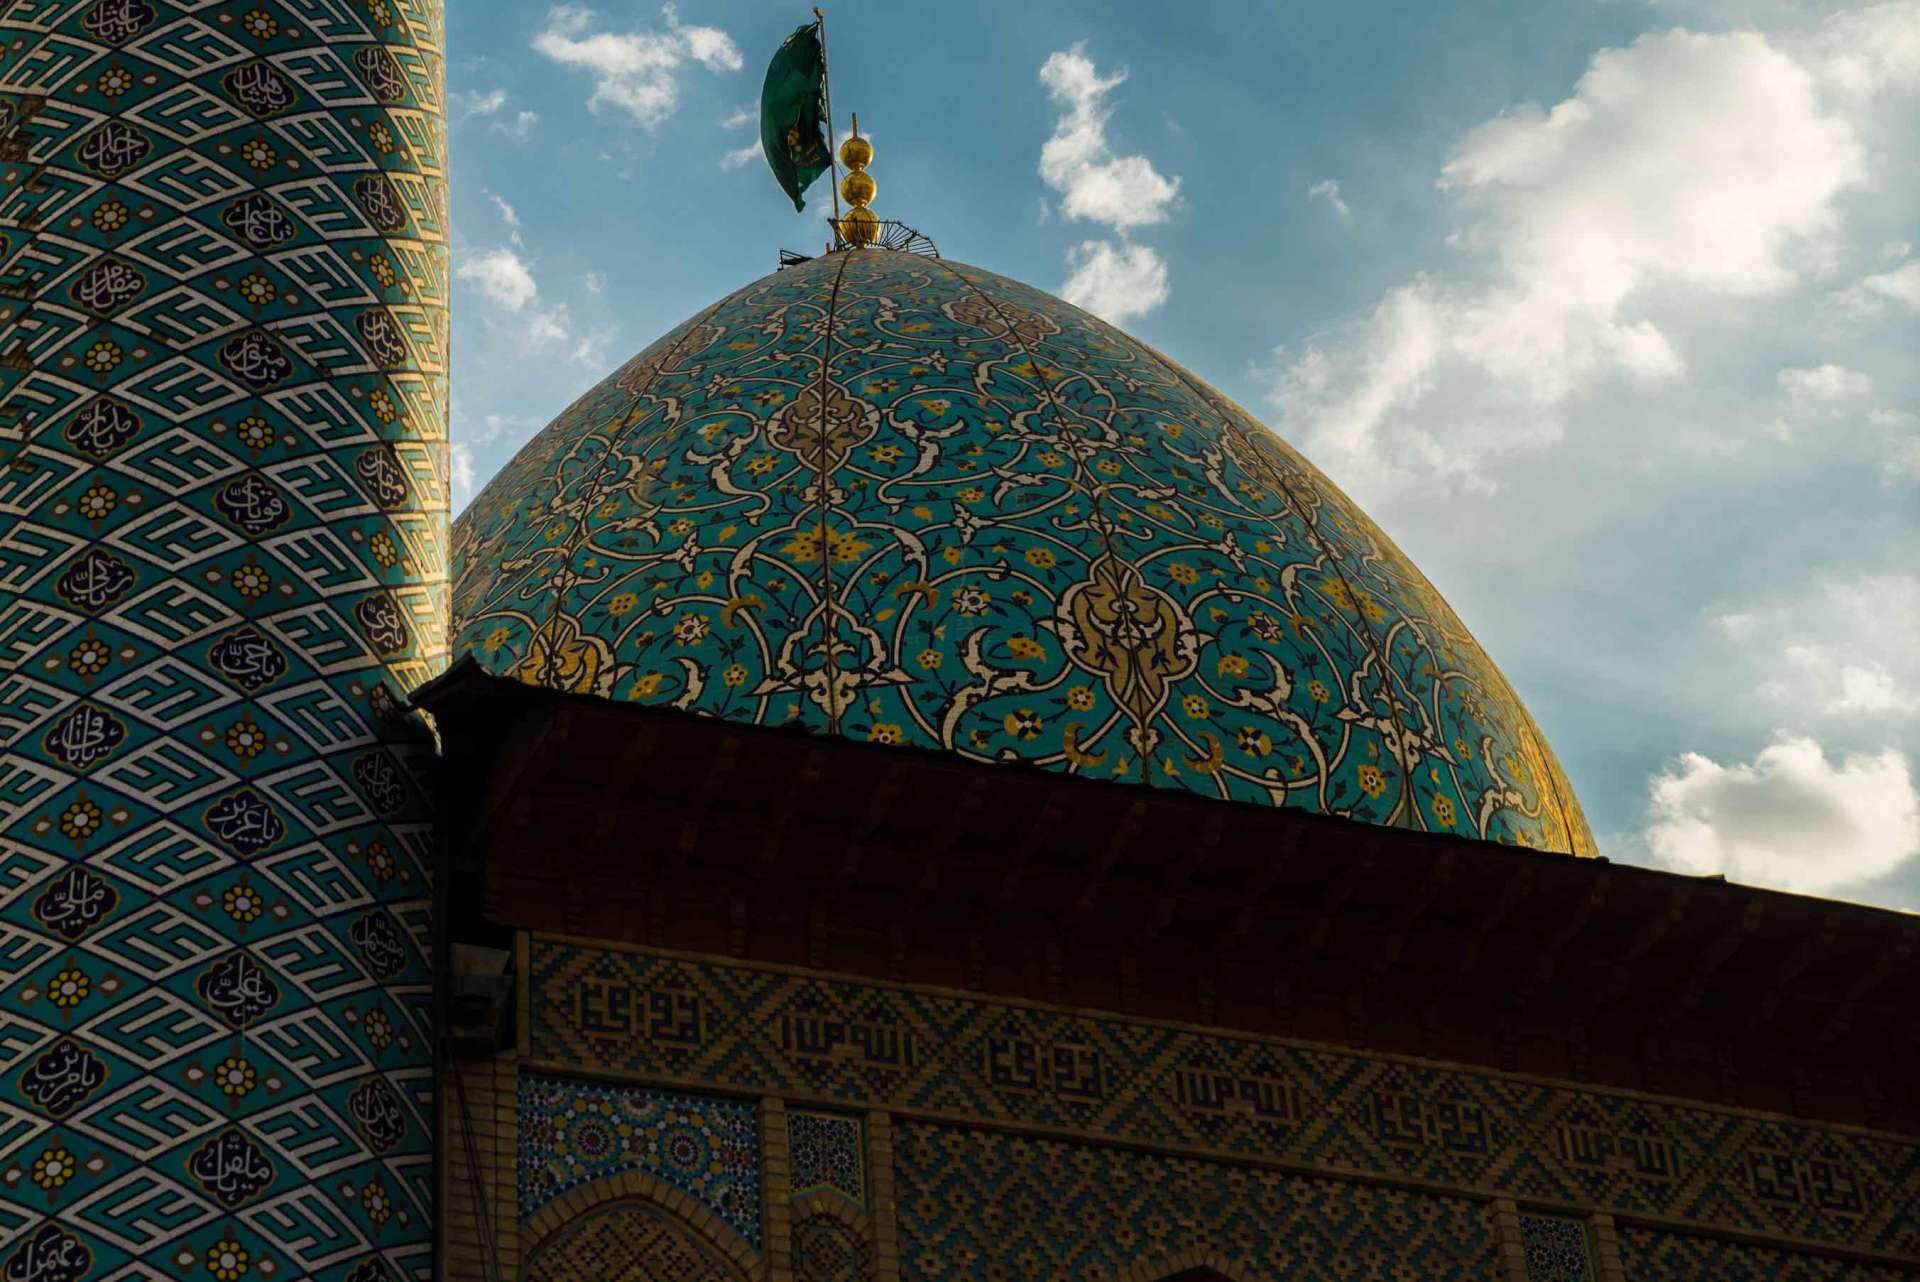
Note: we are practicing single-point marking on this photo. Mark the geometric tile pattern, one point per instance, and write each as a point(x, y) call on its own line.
point(935, 1054)
point(1648, 1255)
point(828, 1249)
point(629, 1242)
point(906, 500)
point(572, 1133)
point(826, 1152)
point(222, 568)
point(1556, 1249)
point(986, 1205)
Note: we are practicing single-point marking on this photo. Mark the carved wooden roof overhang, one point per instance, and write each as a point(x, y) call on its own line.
point(644, 825)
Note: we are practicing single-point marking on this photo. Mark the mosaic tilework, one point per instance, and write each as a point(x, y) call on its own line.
point(910, 501)
point(928, 1052)
point(826, 1152)
point(629, 1242)
point(827, 1249)
point(222, 566)
point(1556, 1249)
point(1650, 1256)
point(572, 1133)
point(976, 1204)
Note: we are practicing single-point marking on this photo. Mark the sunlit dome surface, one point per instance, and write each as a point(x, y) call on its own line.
point(905, 500)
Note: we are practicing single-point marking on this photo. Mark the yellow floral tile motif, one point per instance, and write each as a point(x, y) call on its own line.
point(911, 502)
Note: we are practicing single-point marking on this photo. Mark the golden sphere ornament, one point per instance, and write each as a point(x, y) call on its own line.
point(860, 226)
point(857, 188)
point(856, 153)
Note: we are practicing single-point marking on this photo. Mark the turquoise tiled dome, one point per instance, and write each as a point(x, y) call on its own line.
point(906, 500)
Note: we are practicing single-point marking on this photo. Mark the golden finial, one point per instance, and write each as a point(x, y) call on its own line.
point(861, 226)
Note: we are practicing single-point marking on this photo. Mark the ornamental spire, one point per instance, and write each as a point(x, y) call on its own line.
point(860, 226)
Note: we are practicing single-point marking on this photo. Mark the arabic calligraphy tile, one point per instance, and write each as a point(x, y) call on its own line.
point(62, 1078)
point(237, 989)
point(74, 902)
point(230, 1168)
point(244, 822)
point(50, 1254)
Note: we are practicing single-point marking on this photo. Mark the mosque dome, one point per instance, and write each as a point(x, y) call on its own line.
point(904, 500)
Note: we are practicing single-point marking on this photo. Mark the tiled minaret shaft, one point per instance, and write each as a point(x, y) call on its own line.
point(223, 527)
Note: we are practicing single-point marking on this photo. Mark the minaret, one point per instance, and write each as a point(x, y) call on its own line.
point(223, 527)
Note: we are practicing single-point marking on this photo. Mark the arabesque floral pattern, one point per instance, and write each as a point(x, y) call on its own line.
point(909, 501)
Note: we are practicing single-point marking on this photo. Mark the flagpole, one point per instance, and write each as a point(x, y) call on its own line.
point(826, 82)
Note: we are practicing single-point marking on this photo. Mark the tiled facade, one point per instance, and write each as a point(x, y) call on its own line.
point(937, 1054)
point(1007, 1140)
point(222, 568)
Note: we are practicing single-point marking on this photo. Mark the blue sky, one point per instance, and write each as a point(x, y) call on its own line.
point(1605, 312)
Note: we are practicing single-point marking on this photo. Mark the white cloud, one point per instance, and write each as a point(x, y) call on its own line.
point(1825, 383)
point(1864, 50)
point(489, 105)
point(1112, 279)
point(474, 103)
point(747, 115)
point(1095, 184)
point(520, 127)
point(596, 282)
point(1791, 819)
point(509, 216)
point(1841, 687)
point(1328, 190)
point(501, 277)
point(741, 155)
point(1682, 167)
point(1115, 282)
point(636, 71)
point(462, 455)
point(504, 280)
point(1832, 650)
point(1898, 287)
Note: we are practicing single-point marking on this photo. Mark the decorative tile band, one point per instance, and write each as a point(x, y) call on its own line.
point(1650, 1256)
point(572, 1133)
point(223, 530)
point(931, 1053)
point(986, 1205)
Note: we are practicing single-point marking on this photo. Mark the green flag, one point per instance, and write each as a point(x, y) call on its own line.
point(792, 118)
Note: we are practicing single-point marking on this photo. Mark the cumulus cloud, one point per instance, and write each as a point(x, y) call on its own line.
point(502, 277)
point(1113, 279)
point(1824, 383)
point(1835, 649)
point(490, 106)
point(1682, 166)
point(636, 71)
point(462, 468)
point(475, 103)
point(504, 280)
point(741, 155)
point(1790, 819)
point(1328, 190)
point(520, 127)
point(1897, 288)
point(1115, 282)
point(1077, 162)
